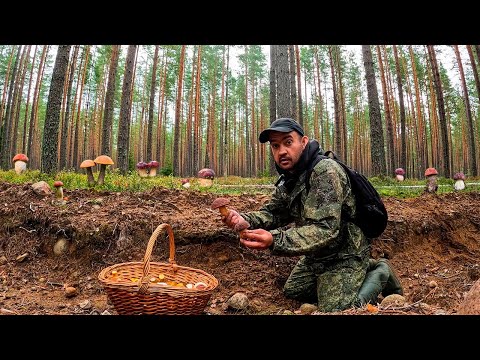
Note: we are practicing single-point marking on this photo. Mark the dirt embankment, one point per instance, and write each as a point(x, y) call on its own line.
point(432, 241)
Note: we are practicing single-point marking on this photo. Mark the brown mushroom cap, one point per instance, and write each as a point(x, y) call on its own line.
point(219, 202)
point(104, 160)
point(206, 174)
point(431, 171)
point(87, 164)
point(20, 157)
point(58, 183)
point(459, 176)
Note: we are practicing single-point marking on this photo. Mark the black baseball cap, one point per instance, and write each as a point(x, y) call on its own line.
point(285, 125)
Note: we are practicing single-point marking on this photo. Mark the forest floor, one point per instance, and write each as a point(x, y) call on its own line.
point(432, 242)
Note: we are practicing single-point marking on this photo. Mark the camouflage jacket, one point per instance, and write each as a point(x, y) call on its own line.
point(313, 223)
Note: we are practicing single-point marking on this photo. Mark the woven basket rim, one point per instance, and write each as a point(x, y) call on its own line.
point(103, 278)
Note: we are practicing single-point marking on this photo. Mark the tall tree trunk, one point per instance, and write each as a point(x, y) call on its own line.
point(178, 105)
point(441, 109)
point(337, 141)
point(273, 96)
point(403, 139)
point(152, 102)
point(7, 120)
point(66, 117)
point(282, 80)
point(226, 128)
point(52, 116)
point(376, 131)
point(32, 131)
point(391, 155)
point(125, 112)
point(299, 86)
point(197, 117)
point(293, 90)
point(109, 101)
point(472, 157)
point(25, 120)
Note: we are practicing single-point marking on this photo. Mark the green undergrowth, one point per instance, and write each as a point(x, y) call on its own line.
point(232, 185)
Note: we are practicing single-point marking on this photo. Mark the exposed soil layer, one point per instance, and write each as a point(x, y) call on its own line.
point(433, 243)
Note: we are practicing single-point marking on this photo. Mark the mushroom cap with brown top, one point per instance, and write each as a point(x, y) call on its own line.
point(104, 160)
point(431, 171)
point(219, 202)
point(58, 183)
point(399, 171)
point(459, 176)
point(87, 163)
point(206, 174)
point(20, 157)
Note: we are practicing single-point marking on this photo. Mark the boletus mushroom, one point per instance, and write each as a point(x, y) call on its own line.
point(186, 183)
point(431, 174)
point(59, 193)
point(142, 168)
point(20, 161)
point(205, 177)
point(221, 205)
point(399, 174)
point(153, 168)
point(88, 165)
point(459, 181)
point(104, 161)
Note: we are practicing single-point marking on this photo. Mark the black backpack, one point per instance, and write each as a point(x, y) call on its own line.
point(371, 212)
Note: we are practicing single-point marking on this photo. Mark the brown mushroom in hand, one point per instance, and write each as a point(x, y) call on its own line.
point(20, 161)
point(88, 165)
point(59, 193)
point(431, 174)
point(103, 160)
point(221, 205)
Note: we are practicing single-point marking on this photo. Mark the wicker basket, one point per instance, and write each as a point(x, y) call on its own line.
point(146, 297)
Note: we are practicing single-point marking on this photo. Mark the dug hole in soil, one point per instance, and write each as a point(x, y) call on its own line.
point(432, 242)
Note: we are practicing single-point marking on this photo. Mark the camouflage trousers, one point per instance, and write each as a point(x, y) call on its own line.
point(333, 285)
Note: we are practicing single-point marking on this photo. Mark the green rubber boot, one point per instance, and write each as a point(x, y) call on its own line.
point(380, 279)
point(392, 285)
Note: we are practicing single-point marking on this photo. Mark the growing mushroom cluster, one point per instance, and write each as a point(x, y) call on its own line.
point(103, 161)
point(149, 169)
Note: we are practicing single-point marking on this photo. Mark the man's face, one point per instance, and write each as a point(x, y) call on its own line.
point(287, 148)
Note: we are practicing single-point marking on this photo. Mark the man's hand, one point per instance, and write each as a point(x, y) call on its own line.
point(258, 239)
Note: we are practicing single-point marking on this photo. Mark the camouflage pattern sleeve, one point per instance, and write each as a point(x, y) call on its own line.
point(317, 230)
point(272, 215)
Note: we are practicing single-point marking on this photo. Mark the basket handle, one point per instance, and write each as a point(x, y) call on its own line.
point(145, 281)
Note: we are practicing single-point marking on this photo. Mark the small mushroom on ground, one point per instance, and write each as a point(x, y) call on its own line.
point(399, 174)
point(103, 160)
point(205, 177)
point(186, 183)
point(59, 193)
point(20, 161)
point(431, 174)
point(153, 168)
point(142, 168)
point(88, 165)
point(459, 181)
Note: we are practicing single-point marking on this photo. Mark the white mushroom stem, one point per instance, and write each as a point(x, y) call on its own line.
point(399, 177)
point(59, 193)
point(20, 166)
point(142, 172)
point(152, 172)
point(459, 184)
